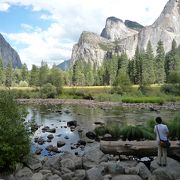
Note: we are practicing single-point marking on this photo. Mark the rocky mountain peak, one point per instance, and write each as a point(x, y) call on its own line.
point(89, 47)
point(133, 25)
point(89, 37)
point(170, 17)
point(112, 19)
point(115, 29)
point(116, 37)
point(8, 54)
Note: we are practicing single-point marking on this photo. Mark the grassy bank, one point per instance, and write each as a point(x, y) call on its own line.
point(98, 93)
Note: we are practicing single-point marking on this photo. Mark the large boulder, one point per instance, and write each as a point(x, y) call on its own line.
point(91, 135)
point(37, 176)
point(126, 177)
point(80, 174)
point(170, 172)
point(92, 158)
point(34, 164)
point(54, 177)
point(143, 171)
point(94, 174)
point(78, 163)
point(53, 162)
point(24, 174)
point(68, 163)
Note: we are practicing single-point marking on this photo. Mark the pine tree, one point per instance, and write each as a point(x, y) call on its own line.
point(43, 73)
point(17, 76)
point(34, 76)
point(122, 81)
point(131, 70)
point(67, 77)
point(9, 75)
point(137, 67)
point(99, 80)
point(123, 62)
point(159, 63)
point(24, 72)
point(113, 68)
point(55, 78)
point(171, 60)
point(1, 72)
point(89, 75)
point(78, 77)
point(148, 76)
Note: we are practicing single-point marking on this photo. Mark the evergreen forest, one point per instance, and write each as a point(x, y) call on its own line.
point(117, 71)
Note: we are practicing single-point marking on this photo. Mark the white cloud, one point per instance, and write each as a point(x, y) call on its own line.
point(27, 27)
point(41, 45)
point(70, 18)
point(4, 6)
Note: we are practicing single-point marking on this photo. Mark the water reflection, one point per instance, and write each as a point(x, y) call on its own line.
point(58, 116)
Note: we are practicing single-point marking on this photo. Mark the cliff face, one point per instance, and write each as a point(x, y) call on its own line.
point(8, 54)
point(165, 28)
point(117, 37)
point(115, 30)
point(91, 48)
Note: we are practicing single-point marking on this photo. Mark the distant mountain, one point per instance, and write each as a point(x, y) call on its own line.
point(64, 65)
point(116, 37)
point(8, 54)
point(133, 25)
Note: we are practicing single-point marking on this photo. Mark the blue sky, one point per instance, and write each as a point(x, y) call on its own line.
point(47, 29)
point(16, 15)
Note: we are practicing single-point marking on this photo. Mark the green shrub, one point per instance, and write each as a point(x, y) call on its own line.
point(174, 128)
point(74, 93)
point(48, 91)
point(173, 89)
point(100, 131)
point(135, 133)
point(150, 125)
point(114, 130)
point(108, 97)
point(18, 93)
point(14, 137)
point(88, 96)
point(23, 84)
point(25, 93)
point(158, 100)
point(144, 89)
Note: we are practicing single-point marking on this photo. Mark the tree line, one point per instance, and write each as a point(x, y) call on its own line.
point(144, 68)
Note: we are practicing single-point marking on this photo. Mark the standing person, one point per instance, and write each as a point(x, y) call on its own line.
point(162, 132)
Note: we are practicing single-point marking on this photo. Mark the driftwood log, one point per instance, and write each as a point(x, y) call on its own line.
point(138, 148)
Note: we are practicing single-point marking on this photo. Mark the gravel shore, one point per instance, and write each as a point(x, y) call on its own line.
point(92, 103)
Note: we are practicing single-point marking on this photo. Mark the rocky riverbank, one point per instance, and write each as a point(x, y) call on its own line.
point(94, 165)
point(92, 103)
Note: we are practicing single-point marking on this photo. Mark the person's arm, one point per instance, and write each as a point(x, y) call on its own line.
point(167, 132)
point(154, 129)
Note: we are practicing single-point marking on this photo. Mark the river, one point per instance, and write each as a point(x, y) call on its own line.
point(57, 116)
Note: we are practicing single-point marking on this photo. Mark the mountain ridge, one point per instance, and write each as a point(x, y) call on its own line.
point(8, 54)
point(123, 39)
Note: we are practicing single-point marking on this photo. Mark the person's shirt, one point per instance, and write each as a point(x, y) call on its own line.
point(163, 132)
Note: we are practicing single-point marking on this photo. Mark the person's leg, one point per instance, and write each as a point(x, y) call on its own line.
point(164, 156)
point(159, 160)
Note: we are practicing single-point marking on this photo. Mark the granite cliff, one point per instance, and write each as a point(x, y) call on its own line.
point(8, 54)
point(118, 37)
